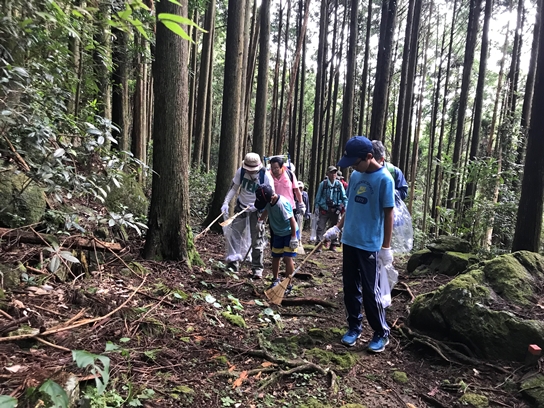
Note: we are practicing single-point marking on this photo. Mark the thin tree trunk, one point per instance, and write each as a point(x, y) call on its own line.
point(261, 98)
point(472, 30)
point(192, 80)
point(364, 78)
point(203, 81)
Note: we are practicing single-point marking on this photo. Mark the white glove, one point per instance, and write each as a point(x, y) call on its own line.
point(331, 233)
point(302, 208)
point(260, 226)
point(225, 209)
point(293, 244)
point(251, 208)
point(385, 256)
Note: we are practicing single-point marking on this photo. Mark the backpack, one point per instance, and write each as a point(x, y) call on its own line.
point(261, 175)
point(391, 169)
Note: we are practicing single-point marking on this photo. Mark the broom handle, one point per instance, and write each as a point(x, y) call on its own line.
point(208, 227)
point(305, 259)
point(237, 214)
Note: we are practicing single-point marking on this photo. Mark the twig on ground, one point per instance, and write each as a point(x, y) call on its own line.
point(307, 301)
point(48, 310)
point(80, 323)
point(6, 315)
point(52, 345)
point(407, 288)
point(136, 323)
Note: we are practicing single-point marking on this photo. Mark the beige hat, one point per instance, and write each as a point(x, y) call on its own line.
point(252, 162)
point(300, 184)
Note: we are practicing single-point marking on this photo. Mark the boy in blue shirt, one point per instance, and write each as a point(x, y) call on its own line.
point(368, 224)
point(284, 226)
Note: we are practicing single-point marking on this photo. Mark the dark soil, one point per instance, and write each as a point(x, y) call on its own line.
point(174, 348)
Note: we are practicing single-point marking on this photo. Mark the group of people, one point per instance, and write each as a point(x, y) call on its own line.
point(361, 212)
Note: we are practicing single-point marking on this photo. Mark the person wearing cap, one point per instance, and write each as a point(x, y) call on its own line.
point(245, 182)
point(366, 238)
point(330, 201)
point(306, 200)
point(282, 222)
point(401, 185)
point(342, 180)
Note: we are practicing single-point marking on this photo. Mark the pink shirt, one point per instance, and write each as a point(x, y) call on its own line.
point(284, 187)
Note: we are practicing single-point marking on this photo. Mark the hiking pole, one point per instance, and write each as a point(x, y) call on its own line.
point(275, 295)
point(247, 253)
point(207, 228)
point(229, 221)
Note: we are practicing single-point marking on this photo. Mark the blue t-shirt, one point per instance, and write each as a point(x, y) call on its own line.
point(280, 215)
point(368, 194)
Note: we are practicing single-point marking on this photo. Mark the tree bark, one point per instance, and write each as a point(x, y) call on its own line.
point(261, 97)
point(203, 81)
point(169, 236)
point(529, 220)
point(232, 98)
point(364, 78)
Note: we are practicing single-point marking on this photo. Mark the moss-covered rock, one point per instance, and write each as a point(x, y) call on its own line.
point(533, 390)
point(466, 309)
point(22, 201)
point(454, 263)
point(474, 400)
point(11, 277)
point(344, 361)
point(450, 244)
point(400, 377)
point(130, 195)
point(235, 319)
point(512, 280)
point(418, 258)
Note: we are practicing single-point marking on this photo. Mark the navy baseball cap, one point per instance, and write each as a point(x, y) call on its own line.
point(356, 147)
point(263, 195)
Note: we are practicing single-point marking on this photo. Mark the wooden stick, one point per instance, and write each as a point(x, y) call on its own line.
point(52, 345)
point(229, 221)
point(81, 323)
point(207, 228)
point(7, 316)
point(47, 310)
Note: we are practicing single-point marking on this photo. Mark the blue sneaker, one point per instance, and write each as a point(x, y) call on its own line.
point(274, 283)
point(378, 343)
point(288, 290)
point(350, 338)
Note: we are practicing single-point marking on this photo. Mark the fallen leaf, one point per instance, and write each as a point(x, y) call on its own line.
point(231, 368)
point(408, 405)
point(433, 391)
point(18, 304)
point(267, 364)
point(240, 380)
point(16, 368)
point(258, 375)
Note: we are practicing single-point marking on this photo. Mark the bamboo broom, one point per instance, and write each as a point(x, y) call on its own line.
point(208, 227)
point(275, 295)
point(229, 221)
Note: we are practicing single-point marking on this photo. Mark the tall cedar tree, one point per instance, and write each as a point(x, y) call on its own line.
point(383, 69)
point(347, 113)
point(261, 96)
point(169, 235)
point(478, 103)
point(472, 31)
point(529, 221)
point(232, 99)
point(202, 97)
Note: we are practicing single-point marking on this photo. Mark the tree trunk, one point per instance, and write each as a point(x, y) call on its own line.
point(120, 97)
point(472, 31)
point(203, 81)
point(102, 61)
point(364, 78)
point(478, 103)
point(169, 236)
point(348, 103)
point(318, 106)
point(383, 67)
point(261, 97)
point(208, 137)
point(232, 99)
point(529, 220)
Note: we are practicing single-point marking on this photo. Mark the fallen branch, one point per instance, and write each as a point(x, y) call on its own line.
point(307, 301)
point(80, 323)
point(407, 289)
point(52, 345)
point(75, 241)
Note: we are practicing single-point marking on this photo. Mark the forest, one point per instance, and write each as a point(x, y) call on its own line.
point(122, 124)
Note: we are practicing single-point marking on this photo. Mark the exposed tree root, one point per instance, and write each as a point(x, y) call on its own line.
point(307, 301)
point(294, 366)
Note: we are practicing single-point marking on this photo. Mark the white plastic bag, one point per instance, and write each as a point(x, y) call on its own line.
point(313, 223)
point(238, 239)
point(385, 289)
point(402, 240)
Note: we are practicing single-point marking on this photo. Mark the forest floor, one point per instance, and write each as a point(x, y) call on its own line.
point(172, 346)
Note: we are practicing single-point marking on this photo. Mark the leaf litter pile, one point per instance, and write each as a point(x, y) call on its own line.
point(129, 332)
